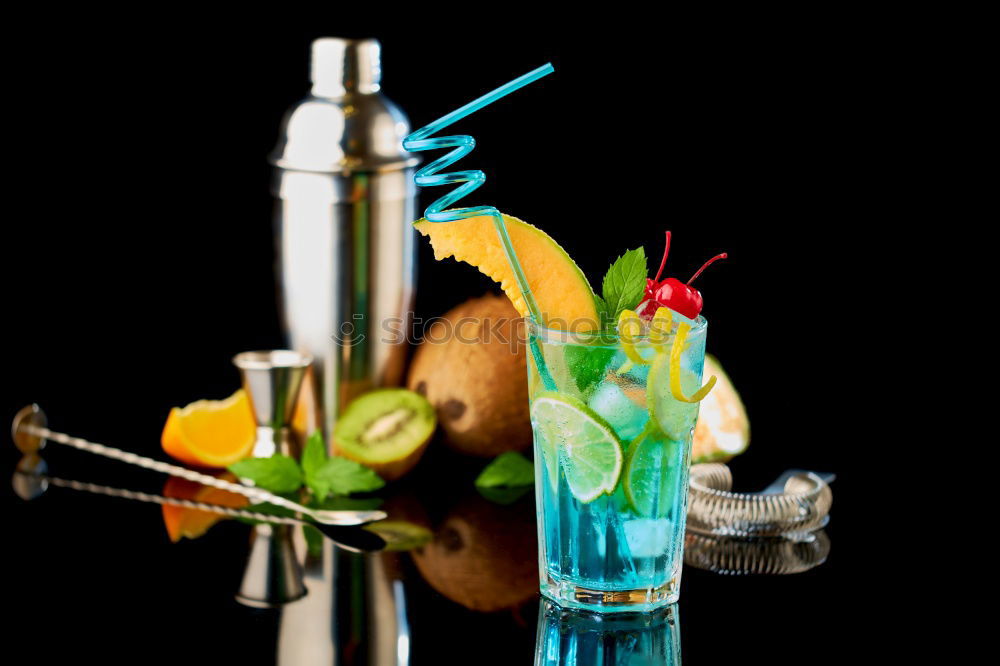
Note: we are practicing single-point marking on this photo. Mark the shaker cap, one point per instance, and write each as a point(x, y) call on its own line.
point(345, 65)
point(346, 124)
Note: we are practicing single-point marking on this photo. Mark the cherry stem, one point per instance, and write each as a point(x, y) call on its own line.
point(663, 262)
point(707, 264)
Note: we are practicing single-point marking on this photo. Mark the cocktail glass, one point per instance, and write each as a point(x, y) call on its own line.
point(612, 444)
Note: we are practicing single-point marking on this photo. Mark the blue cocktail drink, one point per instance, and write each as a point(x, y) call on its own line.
point(612, 456)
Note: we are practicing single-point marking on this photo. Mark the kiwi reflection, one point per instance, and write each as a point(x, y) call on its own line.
point(483, 555)
point(578, 638)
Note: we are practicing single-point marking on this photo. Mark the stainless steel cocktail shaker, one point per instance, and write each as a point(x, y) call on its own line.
point(345, 204)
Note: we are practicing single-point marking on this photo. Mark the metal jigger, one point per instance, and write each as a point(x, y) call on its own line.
point(272, 379)
point(273, 575)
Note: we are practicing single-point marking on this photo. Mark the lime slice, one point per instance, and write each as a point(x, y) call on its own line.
point(646, 469)
point(675, 417)
point(587, 447)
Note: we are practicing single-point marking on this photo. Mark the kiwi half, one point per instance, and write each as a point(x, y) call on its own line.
point(386, 430)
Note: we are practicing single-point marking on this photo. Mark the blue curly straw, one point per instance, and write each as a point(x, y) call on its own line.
point(471, 180)
point(463, 144)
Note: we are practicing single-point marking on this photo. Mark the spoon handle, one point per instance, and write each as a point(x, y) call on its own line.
point(155, 465)
point(31, 421)
point(255, 494)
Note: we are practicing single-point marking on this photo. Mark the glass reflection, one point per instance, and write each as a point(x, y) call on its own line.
point(579, 638)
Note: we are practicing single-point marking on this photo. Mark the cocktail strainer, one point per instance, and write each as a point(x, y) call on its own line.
point(798, 502)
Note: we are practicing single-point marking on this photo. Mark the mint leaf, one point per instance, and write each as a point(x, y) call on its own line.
point(508, 478)
point(279, 474)
point(587, 364)
point(314, 453)
point(603, 316)
point(314, 541)
point(504, 496)
point(508, 470)
point(625, 282)
point(313, 458)
point(342, 477)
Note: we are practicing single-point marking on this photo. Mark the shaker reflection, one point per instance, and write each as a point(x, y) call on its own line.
point(355, 612)
point(356, 609)
point(580, 638)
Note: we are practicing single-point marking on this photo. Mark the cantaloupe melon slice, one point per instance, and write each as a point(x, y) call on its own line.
point(564, 297)
point(723, 429)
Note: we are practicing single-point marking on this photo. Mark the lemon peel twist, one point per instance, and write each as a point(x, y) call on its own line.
point(676, 349)
point(659, 328)
point(630, 328)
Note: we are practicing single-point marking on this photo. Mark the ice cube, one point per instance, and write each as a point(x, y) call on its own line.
point(647, 537)
point(622, 413)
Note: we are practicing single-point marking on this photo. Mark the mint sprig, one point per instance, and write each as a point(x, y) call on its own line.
point(624, 283)
point(324, 475)
point(314, 541)
point(508, 470)
point(508, 478)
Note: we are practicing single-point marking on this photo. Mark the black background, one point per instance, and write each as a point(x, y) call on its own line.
point(140, 261)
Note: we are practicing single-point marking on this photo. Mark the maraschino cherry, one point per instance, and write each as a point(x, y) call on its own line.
point(672, 293)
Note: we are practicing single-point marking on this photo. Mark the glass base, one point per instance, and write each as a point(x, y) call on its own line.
point(639, 600)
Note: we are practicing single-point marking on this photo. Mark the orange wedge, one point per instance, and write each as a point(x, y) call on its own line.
point(211, 433)
point(192, 523)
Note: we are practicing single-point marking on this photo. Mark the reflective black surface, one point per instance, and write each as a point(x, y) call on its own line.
point(101, 573)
